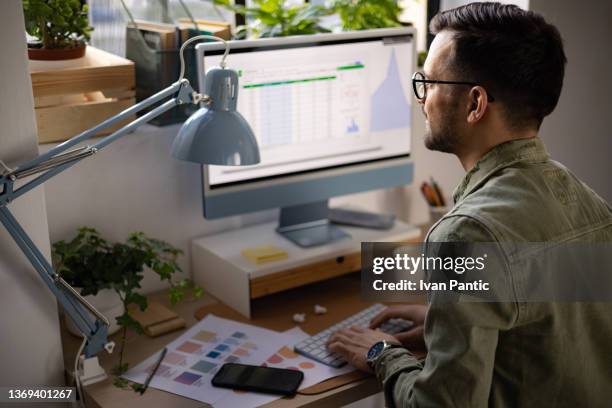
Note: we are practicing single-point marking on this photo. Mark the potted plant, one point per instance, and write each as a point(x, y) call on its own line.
point(109, 275)
point(277, 18)
point(367, 14)
point(61, 27)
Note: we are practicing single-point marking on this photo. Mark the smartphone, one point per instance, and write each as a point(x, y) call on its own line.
point(259, 379)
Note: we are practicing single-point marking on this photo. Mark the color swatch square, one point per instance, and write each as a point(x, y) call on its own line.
point(205, 336)
point(187, 378)
point(174, 358)
point(222, 347)
point(241, 352)
point(231, 341)
point(189, 347)
point(162, 370)
point(213, 354)
point(203, 366)
point(239, 335)
point(232, 359)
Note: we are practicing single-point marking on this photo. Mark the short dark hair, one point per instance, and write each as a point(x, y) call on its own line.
point(515, 54)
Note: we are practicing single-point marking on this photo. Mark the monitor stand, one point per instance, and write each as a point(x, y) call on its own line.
point(307, 225)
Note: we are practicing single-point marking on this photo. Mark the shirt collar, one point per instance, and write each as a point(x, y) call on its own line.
point(501, 156)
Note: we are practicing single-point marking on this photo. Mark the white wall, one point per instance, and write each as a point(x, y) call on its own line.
point(133, 185)
point(30, 351)
point(579, 132)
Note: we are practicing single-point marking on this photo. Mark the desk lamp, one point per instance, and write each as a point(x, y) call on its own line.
point(215, 134)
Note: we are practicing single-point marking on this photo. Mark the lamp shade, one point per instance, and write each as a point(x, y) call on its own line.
point(218, 134)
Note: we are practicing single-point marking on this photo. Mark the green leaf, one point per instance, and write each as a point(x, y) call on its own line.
point(56, 23)
point(175, 295)
point(367, 14)
point(128, 321)
point(137, 299)
point(120, 382)
point(270, 18)
point(119, 369)
point(198, 292)
point(137, 387)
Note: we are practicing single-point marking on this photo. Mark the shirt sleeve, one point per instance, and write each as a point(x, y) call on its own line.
point(461, 339)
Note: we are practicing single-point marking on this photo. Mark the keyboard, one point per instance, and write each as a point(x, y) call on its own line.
point(314, 347)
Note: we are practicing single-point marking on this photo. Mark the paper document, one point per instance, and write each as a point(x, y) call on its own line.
point(193, 359)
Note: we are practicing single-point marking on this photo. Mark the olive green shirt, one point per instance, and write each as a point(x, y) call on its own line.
point(512, 354)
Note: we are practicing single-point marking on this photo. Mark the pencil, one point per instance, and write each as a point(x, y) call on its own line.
point(430, 195)
point(425, 192)
point(438, 192)
point(152, 373)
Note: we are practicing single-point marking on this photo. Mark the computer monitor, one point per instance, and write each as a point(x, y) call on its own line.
point(332, 116)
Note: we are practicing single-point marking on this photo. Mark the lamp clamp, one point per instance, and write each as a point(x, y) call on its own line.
point(186, 94)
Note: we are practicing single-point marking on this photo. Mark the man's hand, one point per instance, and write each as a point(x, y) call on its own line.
point(355, 342)
point(412, 338)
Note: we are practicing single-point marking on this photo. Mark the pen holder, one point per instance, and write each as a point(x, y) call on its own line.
point(435, 213)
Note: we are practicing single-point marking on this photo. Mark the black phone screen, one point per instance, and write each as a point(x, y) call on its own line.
point(260, 379)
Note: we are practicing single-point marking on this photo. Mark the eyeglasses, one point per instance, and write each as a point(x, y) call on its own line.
point(419, 85)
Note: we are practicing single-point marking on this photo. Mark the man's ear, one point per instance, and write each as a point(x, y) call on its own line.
point(478, 103)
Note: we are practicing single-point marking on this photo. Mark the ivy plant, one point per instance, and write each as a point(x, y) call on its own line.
point(57, 23)
point(277, 18)
point(91, 263)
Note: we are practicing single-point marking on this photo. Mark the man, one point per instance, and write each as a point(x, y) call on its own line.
point(492, 74)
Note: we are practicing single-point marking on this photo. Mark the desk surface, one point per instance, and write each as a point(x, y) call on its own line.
point(340, 295)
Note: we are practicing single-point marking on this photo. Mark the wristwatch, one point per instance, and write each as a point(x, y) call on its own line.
point(377, 349)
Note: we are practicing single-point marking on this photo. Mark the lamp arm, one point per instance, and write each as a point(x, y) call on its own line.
point(77, 308)
point(49, 162)
point(92, 324)
point(87, 134)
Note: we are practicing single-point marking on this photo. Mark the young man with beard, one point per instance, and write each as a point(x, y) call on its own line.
point(492, 74)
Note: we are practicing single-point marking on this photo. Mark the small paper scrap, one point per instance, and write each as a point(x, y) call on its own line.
point(318, 309)
point(299, 317)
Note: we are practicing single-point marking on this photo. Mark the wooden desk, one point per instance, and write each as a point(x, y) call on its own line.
point(340, 295)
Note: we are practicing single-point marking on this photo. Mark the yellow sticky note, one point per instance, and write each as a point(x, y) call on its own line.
point(264, 253)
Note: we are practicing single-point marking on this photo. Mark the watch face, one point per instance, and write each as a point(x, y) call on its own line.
point(375, 350)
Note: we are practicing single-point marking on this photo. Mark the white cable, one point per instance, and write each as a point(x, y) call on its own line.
point(201, 37)
point(5, 169)
point(77, 380)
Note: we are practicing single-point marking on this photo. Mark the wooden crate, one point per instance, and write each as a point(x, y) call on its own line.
point(74, 95)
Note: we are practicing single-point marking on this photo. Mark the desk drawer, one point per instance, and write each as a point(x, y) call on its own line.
point(303, 275)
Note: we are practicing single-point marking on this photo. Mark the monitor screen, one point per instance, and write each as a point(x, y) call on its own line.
point(317, 106)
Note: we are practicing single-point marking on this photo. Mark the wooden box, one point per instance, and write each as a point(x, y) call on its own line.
point(74, 95)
